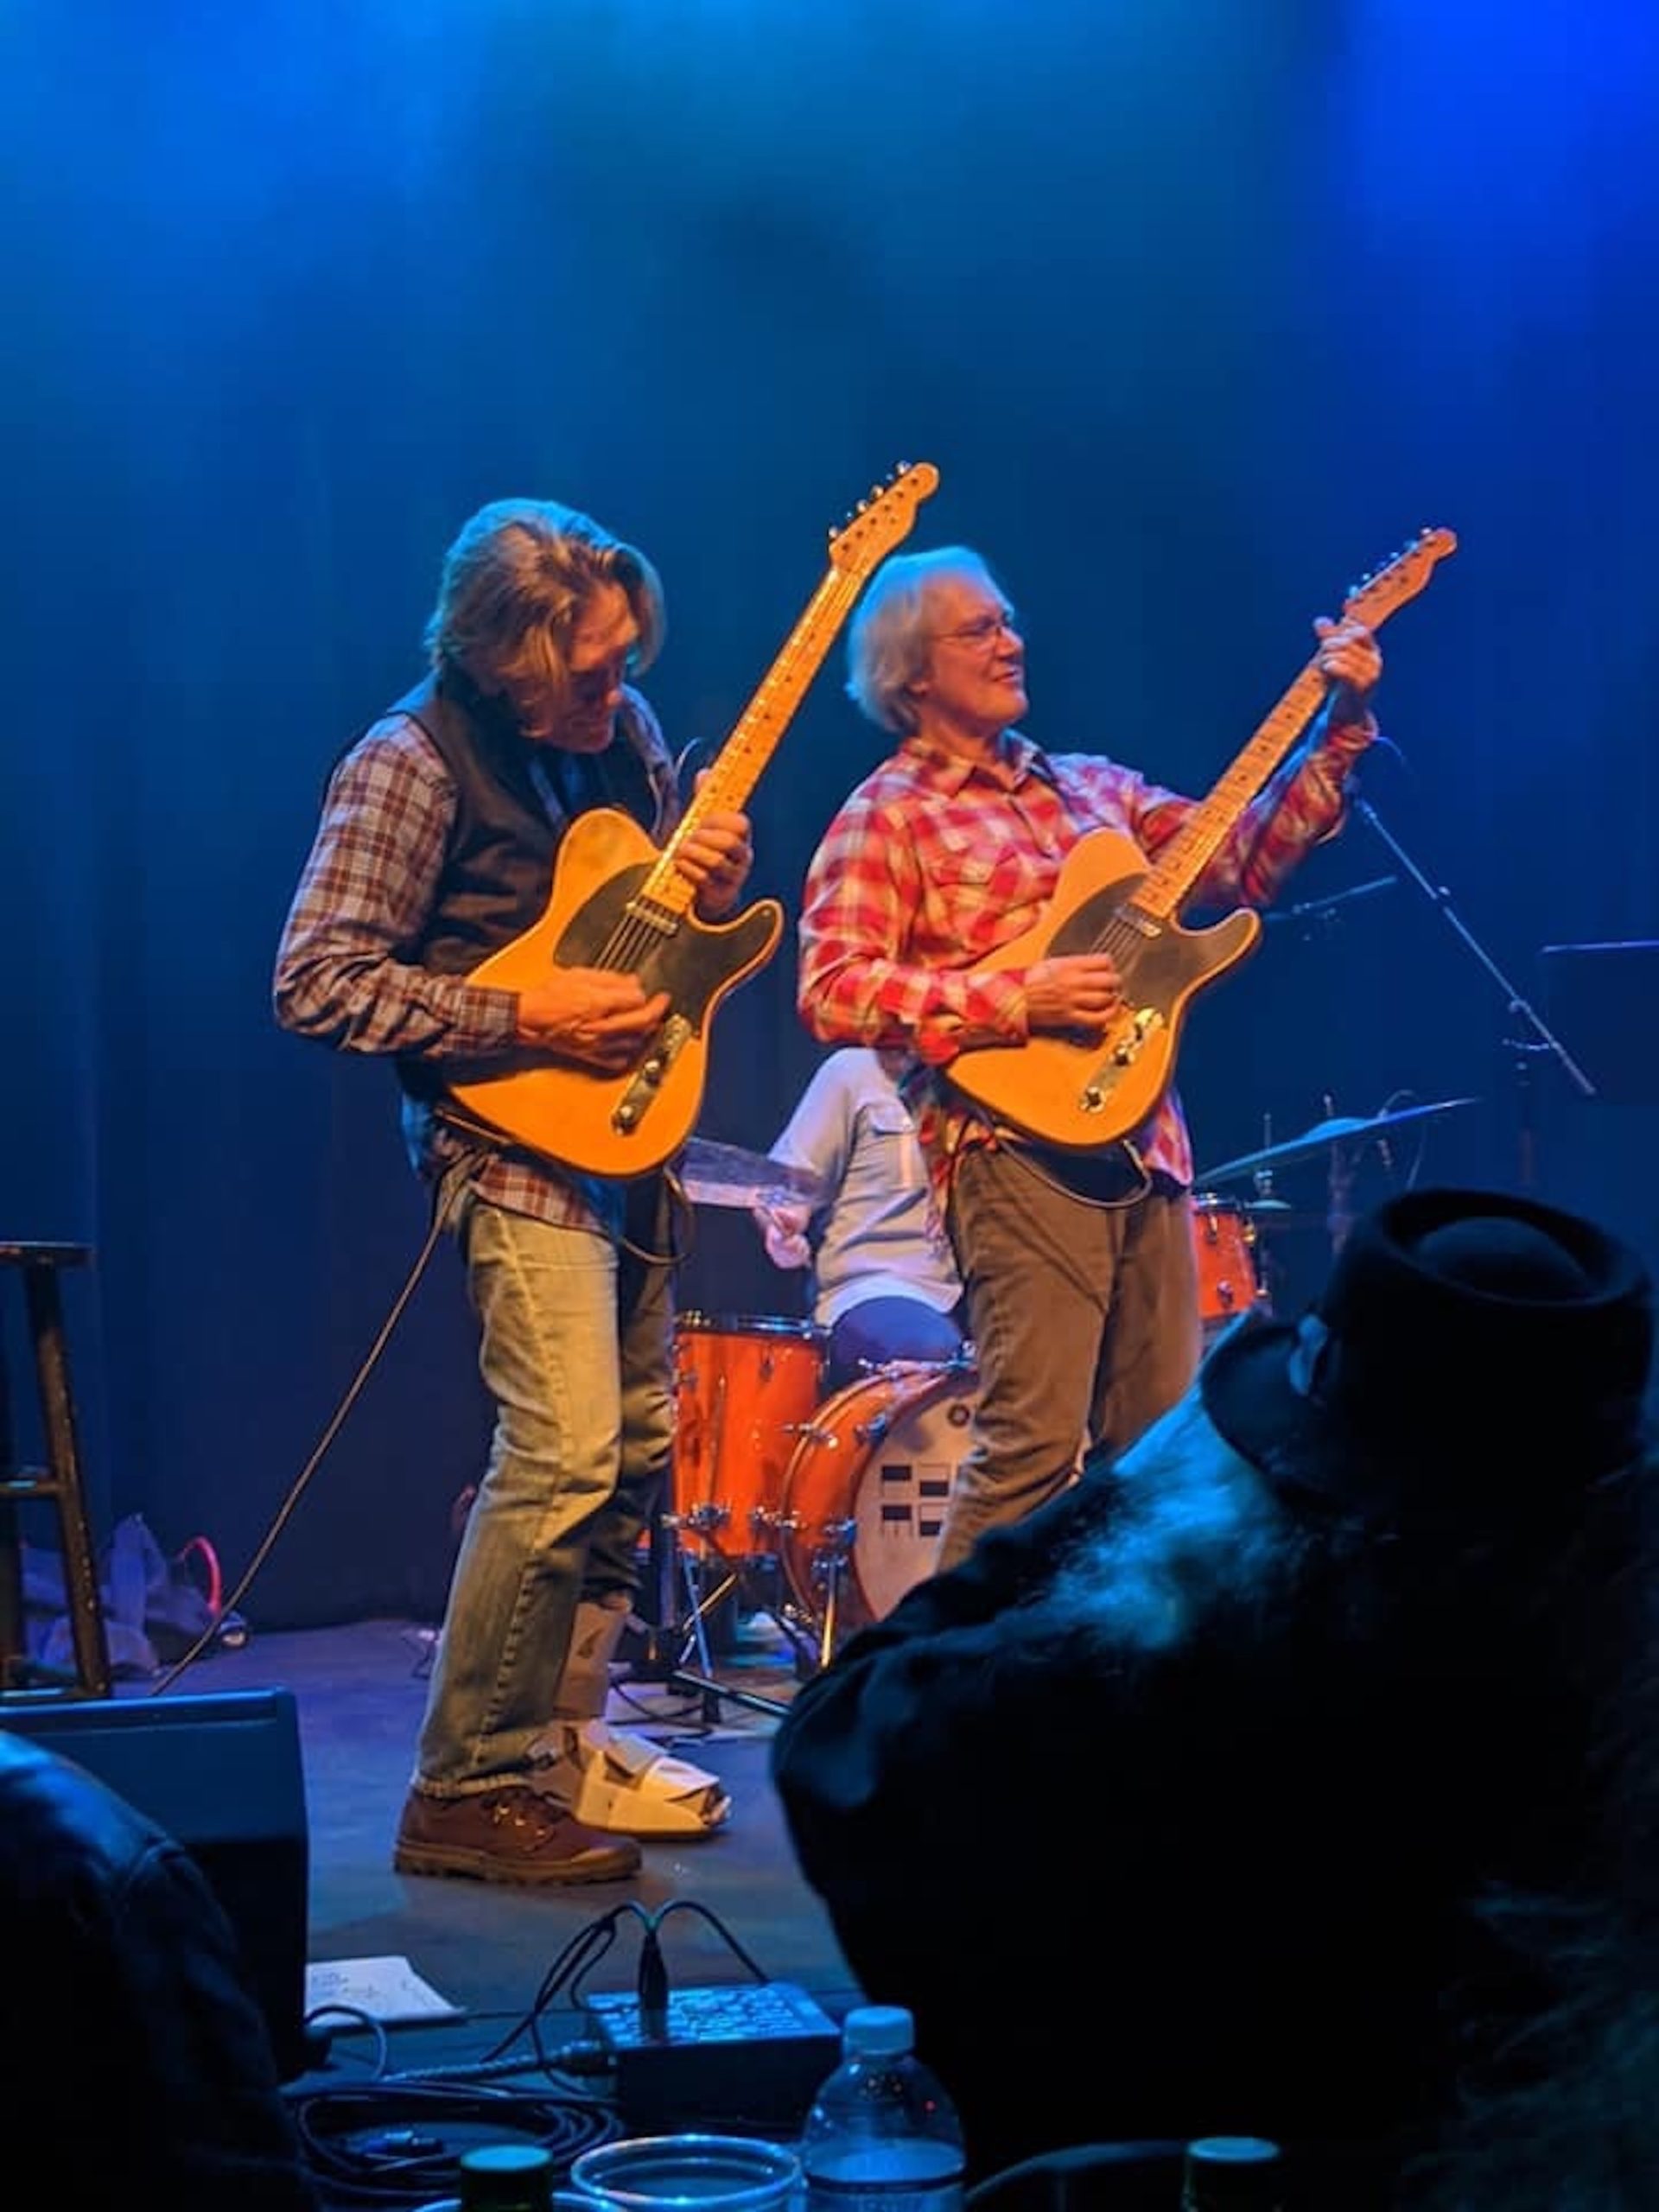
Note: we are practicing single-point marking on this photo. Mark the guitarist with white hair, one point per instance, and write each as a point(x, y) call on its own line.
point(932, 923)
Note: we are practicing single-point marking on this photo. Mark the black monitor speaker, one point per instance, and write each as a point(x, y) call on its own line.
point(222, 1774)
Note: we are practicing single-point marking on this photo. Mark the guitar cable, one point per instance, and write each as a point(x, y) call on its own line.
point(446, 1196)
point(451, 1185)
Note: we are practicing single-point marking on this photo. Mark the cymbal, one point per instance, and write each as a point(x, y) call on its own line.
point(1267, 1216)
point(1344, 1128)
point(726, 1175)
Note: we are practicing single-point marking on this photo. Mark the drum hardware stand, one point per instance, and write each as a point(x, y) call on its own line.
point(1523, 1049)
point(677, 1641)
point(829, 1564)
point(1339, 1184)
point(829, 1559)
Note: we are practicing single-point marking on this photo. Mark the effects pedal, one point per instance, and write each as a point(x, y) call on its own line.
point(747, 2057)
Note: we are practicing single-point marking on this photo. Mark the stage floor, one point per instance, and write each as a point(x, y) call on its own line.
point(487, 1947)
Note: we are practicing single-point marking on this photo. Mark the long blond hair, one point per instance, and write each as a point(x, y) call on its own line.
point(514, 585)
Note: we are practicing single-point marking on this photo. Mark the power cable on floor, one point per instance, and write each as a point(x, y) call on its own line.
point(450, 1187)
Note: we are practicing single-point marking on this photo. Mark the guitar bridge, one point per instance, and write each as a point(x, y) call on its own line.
point(1145, 1022)
point(635, 1101)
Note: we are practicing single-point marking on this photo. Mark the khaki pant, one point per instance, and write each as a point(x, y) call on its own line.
point(1083, 1316)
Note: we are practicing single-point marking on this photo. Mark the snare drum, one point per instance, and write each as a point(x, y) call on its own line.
point(865, 1494)
point(745, 1388)
point(1224, 1241)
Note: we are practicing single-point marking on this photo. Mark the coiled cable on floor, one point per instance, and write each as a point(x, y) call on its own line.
point(389, 2144)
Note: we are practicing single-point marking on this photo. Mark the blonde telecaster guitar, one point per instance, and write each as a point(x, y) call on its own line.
point(619, 902)
point(1080, 1093)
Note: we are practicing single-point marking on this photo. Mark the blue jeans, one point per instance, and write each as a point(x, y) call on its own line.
point(877, 1330)
point(1082, 1316)
point(576, 1350)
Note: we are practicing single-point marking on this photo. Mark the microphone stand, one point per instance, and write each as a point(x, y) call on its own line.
point(1524, 1049)
point(1326, 909)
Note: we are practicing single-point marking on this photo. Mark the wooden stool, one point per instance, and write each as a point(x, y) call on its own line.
point(57, 1482)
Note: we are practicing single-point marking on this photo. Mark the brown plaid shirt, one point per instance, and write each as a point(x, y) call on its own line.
point(348, 968)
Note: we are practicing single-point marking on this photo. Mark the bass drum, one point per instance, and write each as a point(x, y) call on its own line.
point(865, 1494)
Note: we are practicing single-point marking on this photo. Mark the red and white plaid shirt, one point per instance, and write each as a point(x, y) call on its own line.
point(935, 861)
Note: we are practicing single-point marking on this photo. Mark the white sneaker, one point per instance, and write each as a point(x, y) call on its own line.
point(624, 1784)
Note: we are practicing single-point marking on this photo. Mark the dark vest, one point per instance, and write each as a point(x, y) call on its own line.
point(513, 804)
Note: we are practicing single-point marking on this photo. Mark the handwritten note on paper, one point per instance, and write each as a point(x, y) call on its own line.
point(388, 1990)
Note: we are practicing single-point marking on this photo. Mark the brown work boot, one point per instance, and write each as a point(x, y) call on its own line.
point(511, 1834)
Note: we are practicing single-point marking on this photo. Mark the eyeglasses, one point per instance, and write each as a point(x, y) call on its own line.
point(589, 685)
point(983, 633)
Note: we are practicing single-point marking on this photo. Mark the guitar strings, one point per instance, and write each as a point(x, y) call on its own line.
point(644, 923)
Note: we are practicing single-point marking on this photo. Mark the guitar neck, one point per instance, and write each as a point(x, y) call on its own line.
point(1170, 882)
point(1171, 878)
point(737, 767)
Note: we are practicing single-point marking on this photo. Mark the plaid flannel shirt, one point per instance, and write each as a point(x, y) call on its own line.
point(348, 969)
point(935, 861)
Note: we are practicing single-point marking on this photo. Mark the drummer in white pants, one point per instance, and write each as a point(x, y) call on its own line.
point(882, 1283)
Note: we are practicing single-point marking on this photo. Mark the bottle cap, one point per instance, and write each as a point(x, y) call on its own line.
point(1228, 2167)
point(878, 2031)
point(502, 2177)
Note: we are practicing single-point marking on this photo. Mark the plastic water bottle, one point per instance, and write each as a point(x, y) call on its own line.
point(1232, 2173)
point(882, 2135)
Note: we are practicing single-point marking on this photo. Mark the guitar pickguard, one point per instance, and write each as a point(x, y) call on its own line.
point(691, 962)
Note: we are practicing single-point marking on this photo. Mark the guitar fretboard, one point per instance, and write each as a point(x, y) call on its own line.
point(1200, 837)
point(1170, 882)
point(737, 768)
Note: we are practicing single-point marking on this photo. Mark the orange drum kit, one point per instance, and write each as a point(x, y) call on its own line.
point(843, 1495)
point(839, 1498)
point(1230, 1281)
point(833, 1500)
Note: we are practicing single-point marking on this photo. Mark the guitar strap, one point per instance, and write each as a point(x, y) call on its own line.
point(570, 784)
point(564, 784)
point(1115, 1176)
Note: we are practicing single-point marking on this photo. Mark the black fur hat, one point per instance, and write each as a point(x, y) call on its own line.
point(1466, 1345)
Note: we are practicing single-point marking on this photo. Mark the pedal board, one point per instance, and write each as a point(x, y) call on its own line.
point(747, 2057)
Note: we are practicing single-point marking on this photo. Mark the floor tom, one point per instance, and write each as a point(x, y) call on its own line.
point(745, 1386)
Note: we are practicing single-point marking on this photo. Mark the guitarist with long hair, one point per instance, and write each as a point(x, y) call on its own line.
point(440, 831)
point(1078, 1262)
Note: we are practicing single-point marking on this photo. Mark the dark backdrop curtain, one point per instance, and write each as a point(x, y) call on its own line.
point(1200, 308)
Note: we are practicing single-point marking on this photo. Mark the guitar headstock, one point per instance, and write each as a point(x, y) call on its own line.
point(1398, 579)
point(883, 520)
